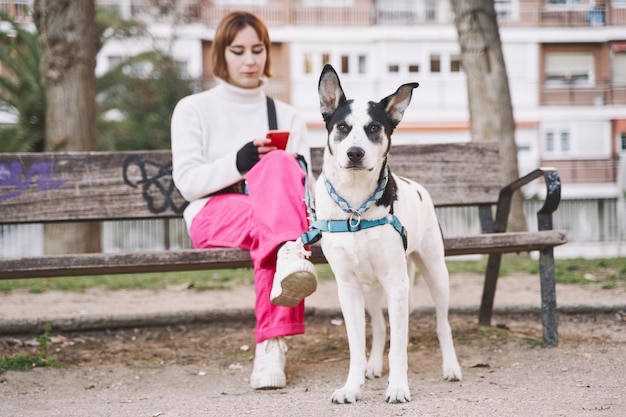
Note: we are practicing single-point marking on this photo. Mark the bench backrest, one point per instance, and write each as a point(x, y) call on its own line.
point(56, 187)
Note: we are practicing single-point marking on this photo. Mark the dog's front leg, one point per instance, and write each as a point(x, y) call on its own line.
point(374, 297)
point(398, 309)
point(353, 309)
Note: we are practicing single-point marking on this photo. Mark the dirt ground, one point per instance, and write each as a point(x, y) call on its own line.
point(202, 369)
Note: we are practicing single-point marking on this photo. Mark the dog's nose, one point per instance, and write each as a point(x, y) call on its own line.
point(355, 154)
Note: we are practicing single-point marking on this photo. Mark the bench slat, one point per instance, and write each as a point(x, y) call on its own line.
point(87, 186)
point(123, 263)
point(223, 258)
point(457, 174)
point(504, 242)
point(57, 187)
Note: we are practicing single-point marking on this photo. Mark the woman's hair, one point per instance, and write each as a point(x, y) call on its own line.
point(227, 30)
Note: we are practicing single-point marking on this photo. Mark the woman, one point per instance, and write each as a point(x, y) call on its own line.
point(218, 141)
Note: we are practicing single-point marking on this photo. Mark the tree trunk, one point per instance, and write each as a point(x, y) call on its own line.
point(69, 40)
point(491, 113)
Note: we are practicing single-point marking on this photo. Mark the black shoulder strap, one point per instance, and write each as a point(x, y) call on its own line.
point(271, 114)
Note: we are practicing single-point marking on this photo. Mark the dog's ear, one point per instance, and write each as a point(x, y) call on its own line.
point(396, 104)
point(330, 91)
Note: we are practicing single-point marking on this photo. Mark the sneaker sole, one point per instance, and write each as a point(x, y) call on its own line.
point(295, 287)
point(268, 382)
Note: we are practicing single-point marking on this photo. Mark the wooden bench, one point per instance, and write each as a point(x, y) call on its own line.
point(96, 186)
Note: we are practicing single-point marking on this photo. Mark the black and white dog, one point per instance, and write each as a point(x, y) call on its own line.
point(377, 229)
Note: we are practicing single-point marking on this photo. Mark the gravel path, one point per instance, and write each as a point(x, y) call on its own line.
point(198, 361)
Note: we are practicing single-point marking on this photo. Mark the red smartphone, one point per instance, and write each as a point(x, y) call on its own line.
point(279, 138)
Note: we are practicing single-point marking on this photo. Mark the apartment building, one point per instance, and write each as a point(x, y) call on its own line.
point(566, 62)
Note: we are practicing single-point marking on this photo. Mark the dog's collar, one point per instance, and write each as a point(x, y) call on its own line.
point(355, 214)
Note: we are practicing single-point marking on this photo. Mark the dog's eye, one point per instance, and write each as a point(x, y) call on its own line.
point(373, 128)
point(343, 128)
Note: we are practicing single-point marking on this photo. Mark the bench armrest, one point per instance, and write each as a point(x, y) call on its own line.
point(544, 215)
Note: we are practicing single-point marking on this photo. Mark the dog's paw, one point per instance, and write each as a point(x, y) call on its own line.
point(371, 374)
point(452, 372)
point(345, 396)
point(373, 371)
point(396, 394)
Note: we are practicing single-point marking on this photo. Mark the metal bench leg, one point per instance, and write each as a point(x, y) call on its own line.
point(489, 289)
point(548, 297)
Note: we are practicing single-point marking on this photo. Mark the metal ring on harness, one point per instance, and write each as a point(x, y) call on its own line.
point(354, 220)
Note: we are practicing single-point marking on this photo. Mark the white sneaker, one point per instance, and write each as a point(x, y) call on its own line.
point(295, 276)
point(268, 371)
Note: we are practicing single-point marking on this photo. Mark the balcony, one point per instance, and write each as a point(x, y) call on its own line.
point(514, 15)
point(361, 13)
point(585, 171)
point(601, 94)
point(581, 16)
point(509, 15)
point(358, 15)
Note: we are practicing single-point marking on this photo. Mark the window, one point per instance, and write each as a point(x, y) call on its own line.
point(623, 141)
point(312, 61)
point(619, 68)
point(414, 68)
point(565, 141)
point(308, 63)
point(570, 4)
point(568, 69)
point(431, 10)
point(345, 64)
point(455, 63)
point(505, 9)
point(362, 64)
point(550, 141)
point(563, 145)
point(435, 63)
point(393, 68)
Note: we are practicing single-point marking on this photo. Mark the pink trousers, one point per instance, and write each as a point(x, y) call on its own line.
point(273, 212)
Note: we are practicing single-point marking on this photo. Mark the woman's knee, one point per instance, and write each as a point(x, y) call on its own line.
point(279, 157)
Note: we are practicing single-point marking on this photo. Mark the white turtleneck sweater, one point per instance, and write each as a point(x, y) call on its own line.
point(208, 129)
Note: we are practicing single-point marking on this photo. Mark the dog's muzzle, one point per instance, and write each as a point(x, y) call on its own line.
point(355, 154)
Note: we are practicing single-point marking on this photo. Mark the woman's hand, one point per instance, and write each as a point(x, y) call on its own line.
point(251, 152)
point(261, 146)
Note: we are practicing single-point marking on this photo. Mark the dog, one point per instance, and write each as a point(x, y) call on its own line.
point(377, 228)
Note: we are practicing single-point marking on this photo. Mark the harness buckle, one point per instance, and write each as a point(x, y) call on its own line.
point(354, 221)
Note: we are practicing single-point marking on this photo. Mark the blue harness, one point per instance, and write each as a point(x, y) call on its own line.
point(354, 223)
